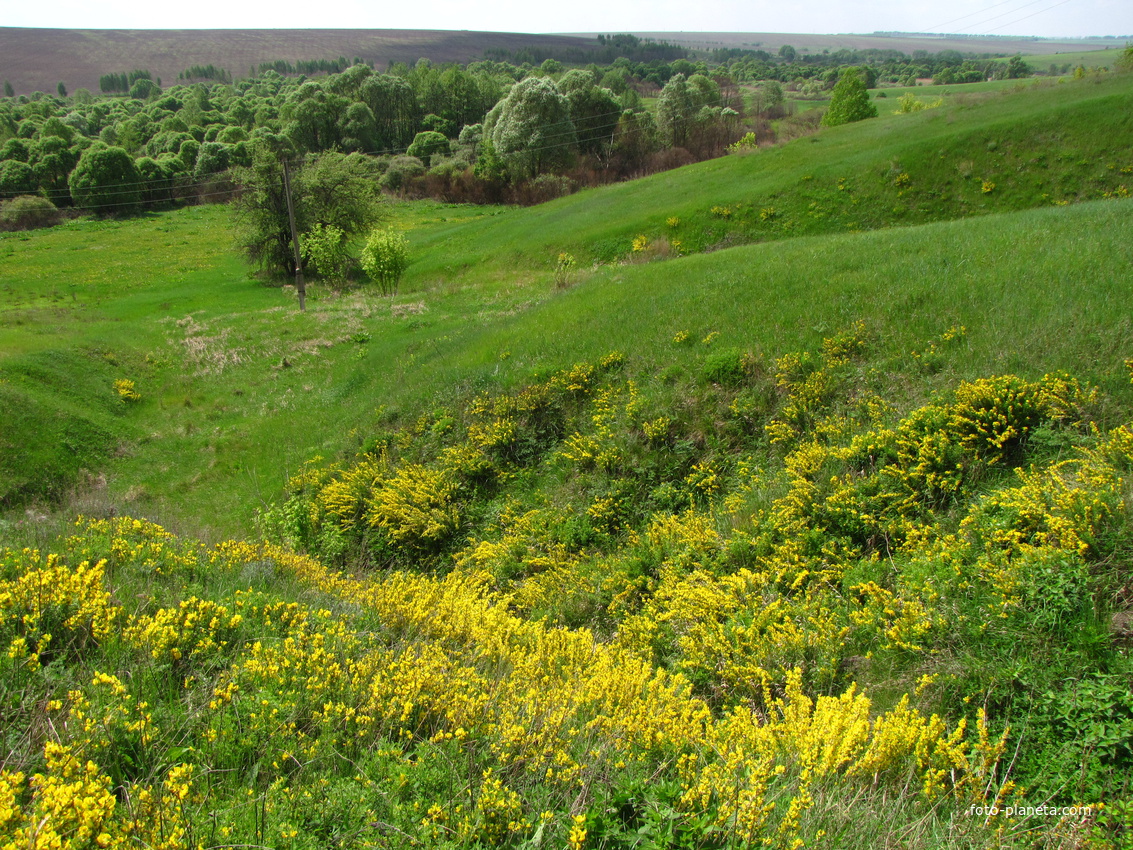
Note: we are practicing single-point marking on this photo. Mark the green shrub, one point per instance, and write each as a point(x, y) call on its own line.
point(849, 101)
point(428, 144)
point(385, 258)
point(400, 170)
point(324, 247)
point(725, 368)
point(28, 212)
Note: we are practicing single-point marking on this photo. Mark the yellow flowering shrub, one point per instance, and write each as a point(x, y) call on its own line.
point(198, 633)
point(126, 390)
point(601, 610)
point(71, 807)
point(416, 507)
point(51, 608)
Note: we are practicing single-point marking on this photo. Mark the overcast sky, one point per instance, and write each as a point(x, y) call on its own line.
point(1052, 18)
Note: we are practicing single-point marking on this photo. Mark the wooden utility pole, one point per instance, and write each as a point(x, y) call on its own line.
point(299, 284)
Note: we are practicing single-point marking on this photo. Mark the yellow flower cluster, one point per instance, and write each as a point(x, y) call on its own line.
point(811, 740)
point(71, 806)
point(194, 633)
point(453, 666)
point(126, 391)
point(419, 505)
point(416, 507)
point(51, 608)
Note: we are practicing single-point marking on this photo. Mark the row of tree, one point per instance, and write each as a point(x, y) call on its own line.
point(436, 114)
point(478, 132)
point(123, 81)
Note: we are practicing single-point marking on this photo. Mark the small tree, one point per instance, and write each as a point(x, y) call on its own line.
point(332, 188)
point(106, 180)
point(1017, 67)
point(324, 247)
point(676, 109)
point(428, 143)
point(17, 178)
point(385, 258)
point(1125, 61)
point(849, 101)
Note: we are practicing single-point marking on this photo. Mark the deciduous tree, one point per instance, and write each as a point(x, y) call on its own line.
point(849, 101)
point(335, 189)
point(676, 111)
point(531, 130)
point(106, 180)
point(428, 143)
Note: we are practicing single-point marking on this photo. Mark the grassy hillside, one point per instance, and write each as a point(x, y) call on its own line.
point(236, 390)
point(222, 421)
point(1100, 58)
point(1035, 146)
point(766, 521)
point(785, 573)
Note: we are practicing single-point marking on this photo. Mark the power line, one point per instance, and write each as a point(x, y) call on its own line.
point(1041, 11)
point(965, 17)
point(982, 12)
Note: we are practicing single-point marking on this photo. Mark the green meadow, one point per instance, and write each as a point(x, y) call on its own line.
point(782, 498)
point(165, 301)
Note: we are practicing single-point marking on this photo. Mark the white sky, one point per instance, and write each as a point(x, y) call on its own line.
point(1050, 18)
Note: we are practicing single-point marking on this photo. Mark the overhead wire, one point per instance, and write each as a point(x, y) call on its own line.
point(1041, 11)
point(969, 15)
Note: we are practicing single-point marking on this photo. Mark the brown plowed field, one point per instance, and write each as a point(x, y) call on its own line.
point(38, 59)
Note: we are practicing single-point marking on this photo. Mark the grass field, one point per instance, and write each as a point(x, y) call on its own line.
point(207, 346)
point(836, 181)
point(1086, 58)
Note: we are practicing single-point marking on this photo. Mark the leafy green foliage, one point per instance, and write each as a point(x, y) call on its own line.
point(1125, 61)
point(325, 249)
point(106, 180)
point(17, 178)
point(427, 144)
point(849, 100)
point(26, 212)
point(531, 130)
point(385, 257)
point(332, 189)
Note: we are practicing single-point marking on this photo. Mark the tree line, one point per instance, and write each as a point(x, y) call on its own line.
point(486, 131)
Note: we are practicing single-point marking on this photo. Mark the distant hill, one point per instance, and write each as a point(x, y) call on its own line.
point(37, 59)
point(905, 42)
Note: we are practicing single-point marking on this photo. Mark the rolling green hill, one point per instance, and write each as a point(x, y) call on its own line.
point(1031, 146)
point(206, 345)
point(779, 499)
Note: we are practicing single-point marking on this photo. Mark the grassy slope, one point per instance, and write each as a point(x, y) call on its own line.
point(238, 389)
point(1038, 291)
point(1039, 145)
point(223, 420)
point(1086, 58)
